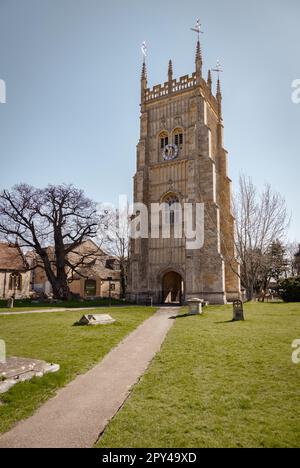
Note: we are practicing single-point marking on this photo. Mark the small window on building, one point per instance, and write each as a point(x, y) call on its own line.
point(90, 287)
point(178, 137)
point(164, 141)
point(109, 264)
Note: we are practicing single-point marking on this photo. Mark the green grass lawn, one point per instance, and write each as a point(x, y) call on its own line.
point(53, 338)
point(216, 383)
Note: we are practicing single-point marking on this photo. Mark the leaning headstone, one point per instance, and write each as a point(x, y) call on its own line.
point(101, 319)
point(238, 311)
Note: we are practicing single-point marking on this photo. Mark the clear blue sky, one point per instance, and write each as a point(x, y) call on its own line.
point(72, 70)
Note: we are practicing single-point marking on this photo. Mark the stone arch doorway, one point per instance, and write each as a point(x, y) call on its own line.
point(172, 288)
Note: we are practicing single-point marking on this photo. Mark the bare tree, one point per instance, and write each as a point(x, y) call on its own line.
point(115, 240)
point(261, 219)
point(59, 216)
point(293, 253)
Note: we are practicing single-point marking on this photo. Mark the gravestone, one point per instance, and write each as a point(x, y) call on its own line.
point(101, 319)
point(238, 311)
point(10, 302)
point(195, 306)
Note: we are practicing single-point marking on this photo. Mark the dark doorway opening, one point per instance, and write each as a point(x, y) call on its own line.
point(172, 288)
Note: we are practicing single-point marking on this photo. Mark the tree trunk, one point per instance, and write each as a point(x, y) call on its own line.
point(250, 292)
point(123, 280)
point(59, 282)
point(61, 290)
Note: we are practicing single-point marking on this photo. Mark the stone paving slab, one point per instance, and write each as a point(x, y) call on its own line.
point(79, 413)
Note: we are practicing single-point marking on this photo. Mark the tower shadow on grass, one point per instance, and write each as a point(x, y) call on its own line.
point(175, 317)
point(229, 321)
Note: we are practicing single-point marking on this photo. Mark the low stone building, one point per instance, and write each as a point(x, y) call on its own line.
point(97, 276)
point(14, 273)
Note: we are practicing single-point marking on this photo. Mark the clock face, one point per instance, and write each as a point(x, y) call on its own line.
point(170, 152)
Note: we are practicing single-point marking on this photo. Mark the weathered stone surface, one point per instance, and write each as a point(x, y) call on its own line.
point(16, 370)
point(238, 310)
point(195, 306)
point(100, 319)
point(198, 174)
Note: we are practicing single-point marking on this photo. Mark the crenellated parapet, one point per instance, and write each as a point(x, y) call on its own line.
point(181, 85)
point(184, 84)
point(162, 90)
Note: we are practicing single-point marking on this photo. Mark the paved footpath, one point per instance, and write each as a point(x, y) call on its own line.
point(58, 309)
point(79, 412)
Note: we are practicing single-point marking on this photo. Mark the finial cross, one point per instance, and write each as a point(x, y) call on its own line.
point(218, 68)
point(197, 28)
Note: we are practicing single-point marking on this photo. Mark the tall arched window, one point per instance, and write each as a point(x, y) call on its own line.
point(178, 137)
point(15, 282)
point(173, 201)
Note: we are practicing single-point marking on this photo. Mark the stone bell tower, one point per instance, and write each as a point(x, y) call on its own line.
point(181, 159)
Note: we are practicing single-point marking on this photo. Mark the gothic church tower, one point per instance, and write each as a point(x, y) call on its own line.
point(181, 159)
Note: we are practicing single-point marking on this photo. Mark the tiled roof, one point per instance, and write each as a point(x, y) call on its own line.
point(11, 258)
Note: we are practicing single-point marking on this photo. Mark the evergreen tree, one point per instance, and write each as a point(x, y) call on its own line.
point(277, 261)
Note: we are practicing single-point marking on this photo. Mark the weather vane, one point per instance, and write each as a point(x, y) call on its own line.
point(218, 68)
point(144, 50)
point(197, 28)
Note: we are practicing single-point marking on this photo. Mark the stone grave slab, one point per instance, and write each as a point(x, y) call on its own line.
point(16, 370)
point(100, 319)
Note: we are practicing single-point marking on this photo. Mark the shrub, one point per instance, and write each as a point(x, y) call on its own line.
point(289, 289)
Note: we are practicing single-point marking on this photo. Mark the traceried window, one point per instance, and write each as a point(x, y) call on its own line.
point(173, 202)
point(15, 282)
